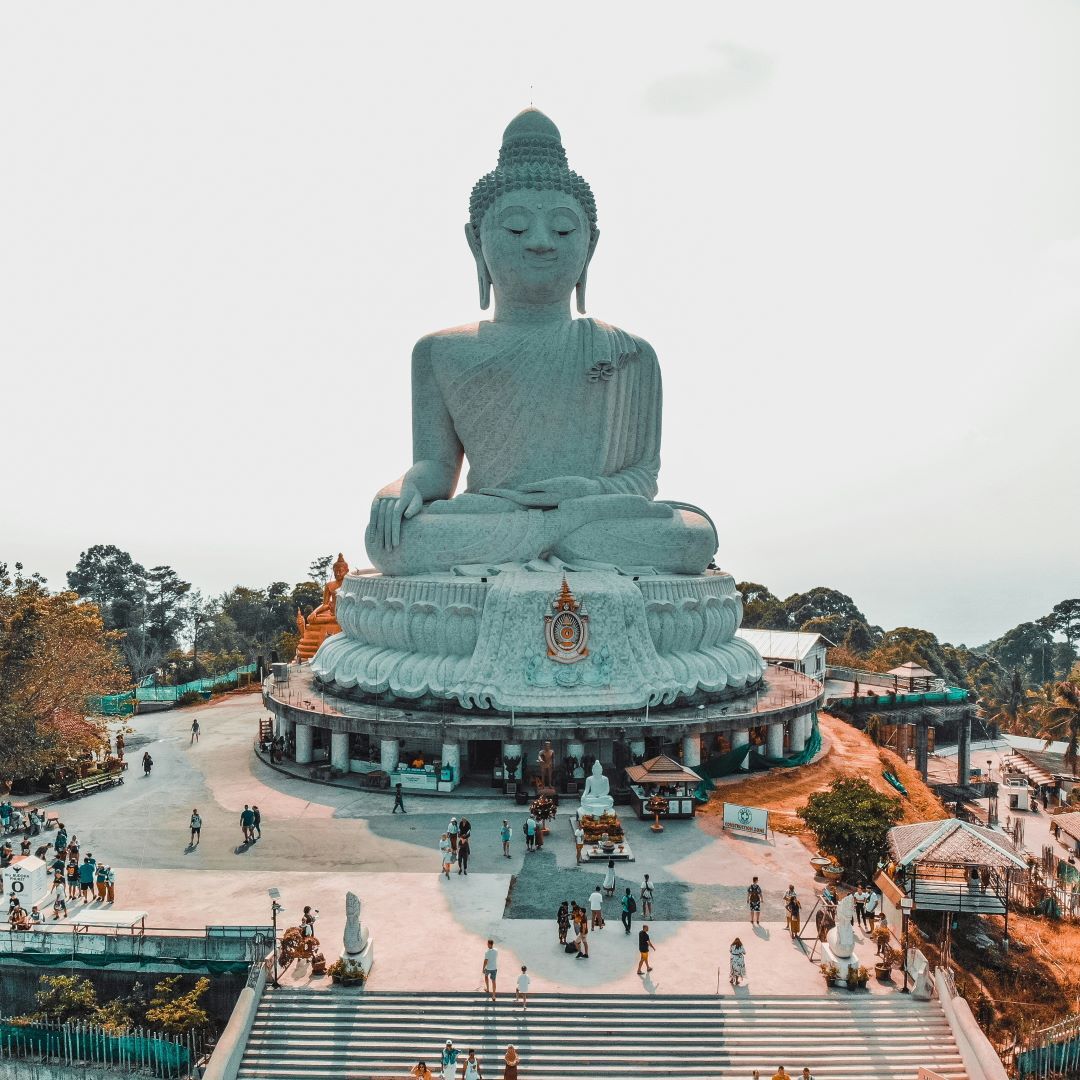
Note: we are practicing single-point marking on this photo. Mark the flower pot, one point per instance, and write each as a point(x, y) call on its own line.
point(819, 862)
point(832, 872)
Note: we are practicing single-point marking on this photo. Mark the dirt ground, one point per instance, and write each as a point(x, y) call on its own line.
point(847, 752)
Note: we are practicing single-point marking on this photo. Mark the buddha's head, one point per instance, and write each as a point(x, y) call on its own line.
point(532, 222)
point(341, 568)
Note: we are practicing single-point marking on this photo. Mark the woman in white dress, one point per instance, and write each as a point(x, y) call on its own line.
point(738, 962)
point(609, 878)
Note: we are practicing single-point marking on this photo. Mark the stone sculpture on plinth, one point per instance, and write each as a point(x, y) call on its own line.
point(596, 800)
point(840, 942)
point(322, 622)
point(560, 421)
point(354, 964)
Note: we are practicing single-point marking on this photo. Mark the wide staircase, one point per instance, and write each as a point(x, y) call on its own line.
point(356, 1035)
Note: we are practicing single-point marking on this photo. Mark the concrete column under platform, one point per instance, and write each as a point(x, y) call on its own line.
point(799, 733)
point(284, 727)
point(963, 750)
point(922, 747)
point(339, 750)
point(451, 755)
point(740, 737)
point(389, 750)
point(774, 740)
point(513, 749)
point(305, 738)
point(691, 750)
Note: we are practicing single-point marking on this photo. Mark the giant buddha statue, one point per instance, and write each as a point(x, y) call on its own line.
point(560, 420)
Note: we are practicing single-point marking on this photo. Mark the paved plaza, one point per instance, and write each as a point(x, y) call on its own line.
point(318, 841)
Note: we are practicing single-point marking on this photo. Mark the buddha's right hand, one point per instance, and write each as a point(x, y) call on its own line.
point(391, 506)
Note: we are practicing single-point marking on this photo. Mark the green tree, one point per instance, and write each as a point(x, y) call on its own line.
point(1029, 647)
point(319, 569)
point(1064, 619)
point(1055, 709)
point(851, 821)
point(55, 654)
point(167, 614)
point(174, 1012)
point(1003, 701)
point(761, 609)
point(66, 997)
point(908, 643)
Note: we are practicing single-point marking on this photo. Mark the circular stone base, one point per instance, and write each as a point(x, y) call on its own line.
point(482, 642)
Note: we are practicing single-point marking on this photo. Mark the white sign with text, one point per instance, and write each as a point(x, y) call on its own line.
point(748, 818)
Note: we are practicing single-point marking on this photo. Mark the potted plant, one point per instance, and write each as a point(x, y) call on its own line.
point(819, 862)
point(857, 978)
point(830, 973)
point(889, 959)
point(833, 872)
point(882, 936)
point(656, 806)
point(346, 972)
point(543, 809)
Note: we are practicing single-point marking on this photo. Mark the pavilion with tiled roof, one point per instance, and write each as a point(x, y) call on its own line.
point(952, 865)
point(663, 776)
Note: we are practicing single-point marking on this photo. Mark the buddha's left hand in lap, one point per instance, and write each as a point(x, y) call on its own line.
point(547, 494)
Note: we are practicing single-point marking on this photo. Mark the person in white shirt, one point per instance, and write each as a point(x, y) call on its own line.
point(646, 898)
point(579, 840)
point(596, 906)
point(470, 1068)
point(490, 968)
point(522, 993)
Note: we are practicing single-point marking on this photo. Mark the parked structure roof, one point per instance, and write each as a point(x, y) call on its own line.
point(661, 770)
point(782, 644)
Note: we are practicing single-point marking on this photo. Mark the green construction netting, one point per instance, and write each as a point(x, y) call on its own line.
point(124, 704)
point(163, 1056)
point(1067, 873)
point(100, 960)
point(886, 701)
point(742, 759)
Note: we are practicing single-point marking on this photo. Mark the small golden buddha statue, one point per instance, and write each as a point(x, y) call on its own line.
point(322, 622)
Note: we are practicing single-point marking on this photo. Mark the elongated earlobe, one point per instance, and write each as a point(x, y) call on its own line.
point(483, 278)
point(579, 288)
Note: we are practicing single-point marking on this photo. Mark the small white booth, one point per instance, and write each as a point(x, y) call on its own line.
point(26, 877)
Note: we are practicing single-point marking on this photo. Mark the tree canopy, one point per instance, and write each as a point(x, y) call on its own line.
point(851, 821)
point(55, 653)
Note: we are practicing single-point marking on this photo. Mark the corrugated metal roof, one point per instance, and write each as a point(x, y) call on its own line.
point(782, 644)
point(1067, 823)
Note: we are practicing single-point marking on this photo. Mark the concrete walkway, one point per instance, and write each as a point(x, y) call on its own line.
point(320, 841)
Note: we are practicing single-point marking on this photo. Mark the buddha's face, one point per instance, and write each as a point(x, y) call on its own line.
point(535, 245)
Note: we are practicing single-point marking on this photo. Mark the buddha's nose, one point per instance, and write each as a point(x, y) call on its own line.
point(540, 247)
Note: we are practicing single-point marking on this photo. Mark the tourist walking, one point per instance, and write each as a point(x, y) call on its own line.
point(196, 828)
point(629, 906)
point(596, 906)
point(399, 804)
point(644, 946)
point(860, 896)
point(753, 900)
point(449, 1060)
point(522, 992)
point(504, 835)
point(562, 920)
point(794, 917)
point(100, 879)
point(510, 1063)
point(530, 833)
point(247, 824)
point(195, 729)
point(870, 909)
point(71, 875)
point(470, 1067)
point(421, 1071)
point(452, 832)
point(582, 939)
point(58, 867)
point(806, 1075)
point(59, 907)
point(646, 898)
point(490, 968)
point(147, 763)
point(464, 845)
point(579, 840)
point(737, 953)
point(110, 885)
point(609, 878)
point(307, 920)
point(781, 1074)
point(256, 824)
point(447, 855)
point(120, 745)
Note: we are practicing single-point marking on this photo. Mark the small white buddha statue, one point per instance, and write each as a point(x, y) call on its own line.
point(596, 799)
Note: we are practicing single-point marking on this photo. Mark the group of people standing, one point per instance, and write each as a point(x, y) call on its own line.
point(469, 1065)
point(455, 846)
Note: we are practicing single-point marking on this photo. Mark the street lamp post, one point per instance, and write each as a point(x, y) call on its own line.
point(275, 909)
point(989, 797)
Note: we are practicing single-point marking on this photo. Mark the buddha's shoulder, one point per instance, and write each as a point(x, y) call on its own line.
point(622, 341)
point(464, 335)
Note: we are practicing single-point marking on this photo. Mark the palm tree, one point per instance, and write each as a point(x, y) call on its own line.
point(1002, 702)
point(1056, 709)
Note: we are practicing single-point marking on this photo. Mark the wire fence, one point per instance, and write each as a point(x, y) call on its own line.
point(81, 1044)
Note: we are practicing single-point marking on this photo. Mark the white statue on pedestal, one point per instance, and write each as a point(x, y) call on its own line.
point(840, 942)
point(596, 799)
point(359, 951)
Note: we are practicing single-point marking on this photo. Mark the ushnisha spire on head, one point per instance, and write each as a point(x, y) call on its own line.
point(532, 156)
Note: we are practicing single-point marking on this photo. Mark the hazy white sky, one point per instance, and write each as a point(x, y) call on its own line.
point(850, 230)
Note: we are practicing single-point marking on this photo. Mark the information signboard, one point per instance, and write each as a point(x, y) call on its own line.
point(748, 818)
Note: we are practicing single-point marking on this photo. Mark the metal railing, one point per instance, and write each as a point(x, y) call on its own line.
point(1050, 1051)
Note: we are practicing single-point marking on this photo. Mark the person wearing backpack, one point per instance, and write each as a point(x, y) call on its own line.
point(629, 906)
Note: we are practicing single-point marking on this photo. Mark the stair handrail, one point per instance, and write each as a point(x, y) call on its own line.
point(225, 1061)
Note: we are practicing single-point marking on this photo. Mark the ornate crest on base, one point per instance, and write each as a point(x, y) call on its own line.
point(566, 628)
